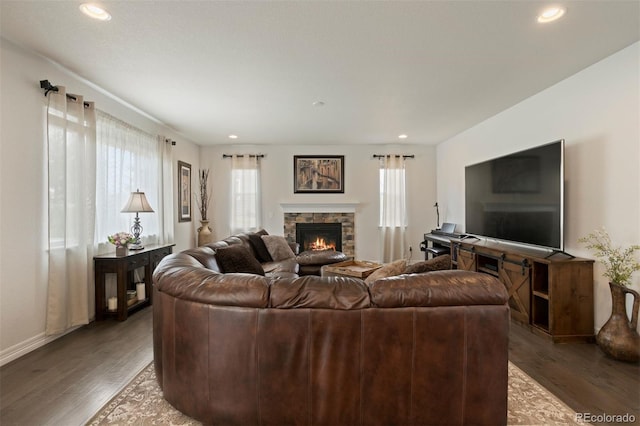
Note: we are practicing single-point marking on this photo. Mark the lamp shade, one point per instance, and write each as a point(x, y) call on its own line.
point(137, 203)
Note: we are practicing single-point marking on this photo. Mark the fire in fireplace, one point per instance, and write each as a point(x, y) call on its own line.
point(321, 244)
point(319, 236)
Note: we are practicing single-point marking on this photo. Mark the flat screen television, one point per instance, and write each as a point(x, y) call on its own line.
point(518, 197)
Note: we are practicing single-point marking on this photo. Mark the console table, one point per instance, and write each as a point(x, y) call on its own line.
point(553, 295)
point(123, 266)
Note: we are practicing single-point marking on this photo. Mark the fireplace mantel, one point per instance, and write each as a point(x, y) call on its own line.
point(319, 207)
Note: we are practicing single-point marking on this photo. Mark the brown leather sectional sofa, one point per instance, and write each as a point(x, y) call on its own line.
point(245, 349)
point(305, 263)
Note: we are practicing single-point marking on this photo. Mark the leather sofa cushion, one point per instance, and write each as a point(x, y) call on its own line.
point(344, 293)
point(204, 255)
point(320, 257)
point(182, 276)
point(278, 247)
point(238, 258)
point(438, 263)
point(217, 245)
point(239, 239)
point(438, 288)
point(388, 270)
point(287, 265)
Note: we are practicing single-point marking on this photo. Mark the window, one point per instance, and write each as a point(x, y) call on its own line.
point(392, 198)
point(393, 211)
point(245, 193)
point(127, 159)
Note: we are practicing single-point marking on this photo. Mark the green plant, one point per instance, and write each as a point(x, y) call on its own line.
point(619, 263)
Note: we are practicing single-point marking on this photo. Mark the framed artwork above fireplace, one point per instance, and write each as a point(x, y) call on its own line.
point(318, 174)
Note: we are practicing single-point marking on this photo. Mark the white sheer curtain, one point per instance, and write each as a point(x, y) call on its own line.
point(71, 150)
point(128, 159)
point(393, 208)
point(246, 210)
point(165, 193)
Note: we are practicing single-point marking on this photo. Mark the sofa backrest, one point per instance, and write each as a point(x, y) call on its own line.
point(186, 276)
point(205, 255)
point(437, 288)
point(309, 291)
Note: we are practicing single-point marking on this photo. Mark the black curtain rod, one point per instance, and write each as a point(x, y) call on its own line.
point(48, 87)
point(242, 155)
point(390, 155)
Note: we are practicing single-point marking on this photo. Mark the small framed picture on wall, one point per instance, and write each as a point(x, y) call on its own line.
point(184, 192)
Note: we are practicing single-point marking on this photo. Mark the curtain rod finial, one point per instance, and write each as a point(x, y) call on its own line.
point(48, 87)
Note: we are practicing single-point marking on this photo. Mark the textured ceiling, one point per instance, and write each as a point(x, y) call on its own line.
point(430, 69)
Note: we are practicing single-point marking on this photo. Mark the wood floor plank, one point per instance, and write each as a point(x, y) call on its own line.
point(69, 380)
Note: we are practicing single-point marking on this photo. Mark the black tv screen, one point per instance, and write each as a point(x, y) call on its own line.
point(518, 197)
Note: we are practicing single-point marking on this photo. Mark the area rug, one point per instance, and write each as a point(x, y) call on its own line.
point(141, 403)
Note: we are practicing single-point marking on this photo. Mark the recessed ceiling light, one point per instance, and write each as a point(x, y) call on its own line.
point(233, 136)
point(318, 104)
point(550, 14)
point(95, 12)
point(402, 136)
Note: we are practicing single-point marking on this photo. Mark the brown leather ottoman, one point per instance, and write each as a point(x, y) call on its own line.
point(311, 261)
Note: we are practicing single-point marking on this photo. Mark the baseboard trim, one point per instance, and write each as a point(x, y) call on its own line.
point(16, 351)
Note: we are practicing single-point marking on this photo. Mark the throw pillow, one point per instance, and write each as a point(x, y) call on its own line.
point(438, 263)
point(388, 270)
point(278, 247)
point(255, 239)
point(237, 258)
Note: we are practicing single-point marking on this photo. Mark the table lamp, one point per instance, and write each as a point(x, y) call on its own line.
point(137, 204)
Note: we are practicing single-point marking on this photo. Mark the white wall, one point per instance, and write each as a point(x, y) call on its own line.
point(185, 232)
point(597, 112)
point(23, 223)
point(361, 186)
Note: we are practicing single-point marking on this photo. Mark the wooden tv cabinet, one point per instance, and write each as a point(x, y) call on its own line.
point(553, 295)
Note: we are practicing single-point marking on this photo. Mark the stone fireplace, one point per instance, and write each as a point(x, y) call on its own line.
point(344, 221)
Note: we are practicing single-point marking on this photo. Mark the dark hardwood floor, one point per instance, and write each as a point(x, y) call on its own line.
point(69, 380)
point(580, 374)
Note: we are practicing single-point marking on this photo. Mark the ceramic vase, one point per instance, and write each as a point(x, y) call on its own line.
point(205, 236)
point(618, 337)
point(122, 251)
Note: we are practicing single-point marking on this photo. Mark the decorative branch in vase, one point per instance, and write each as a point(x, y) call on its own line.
point(203, 199)
point(618, 337)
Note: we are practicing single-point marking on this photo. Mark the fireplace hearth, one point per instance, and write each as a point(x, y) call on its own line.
point(319, 236)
